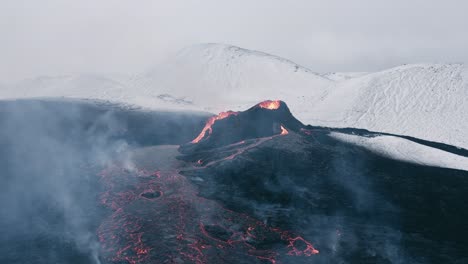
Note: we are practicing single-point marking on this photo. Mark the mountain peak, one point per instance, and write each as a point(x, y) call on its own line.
point(232, 52)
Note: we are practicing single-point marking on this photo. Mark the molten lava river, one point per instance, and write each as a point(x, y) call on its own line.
point(156, 216)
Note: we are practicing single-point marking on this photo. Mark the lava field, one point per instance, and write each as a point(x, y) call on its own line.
point(256, 186)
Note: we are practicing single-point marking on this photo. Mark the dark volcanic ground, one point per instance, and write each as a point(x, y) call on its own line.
point(99, 184)
point(355, 206)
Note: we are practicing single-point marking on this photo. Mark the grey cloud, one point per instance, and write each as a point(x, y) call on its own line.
point(59, 37)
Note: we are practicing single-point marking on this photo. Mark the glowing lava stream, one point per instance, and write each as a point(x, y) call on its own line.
point(241, 150)
point(284, 131)
point(269, 104)
point(210, 123)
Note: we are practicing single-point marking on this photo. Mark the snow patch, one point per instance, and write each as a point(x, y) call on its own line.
point(406, 150)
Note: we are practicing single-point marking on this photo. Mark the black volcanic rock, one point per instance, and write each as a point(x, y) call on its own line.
point(262, 120)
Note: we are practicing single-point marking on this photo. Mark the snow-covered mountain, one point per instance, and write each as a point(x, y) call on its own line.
point(427, 101)
point(216, 76)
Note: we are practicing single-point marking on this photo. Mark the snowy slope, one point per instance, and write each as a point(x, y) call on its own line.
point(116, 88)
point(69, 86)
point(406, 150)
point(81, 86)
point(427, 101)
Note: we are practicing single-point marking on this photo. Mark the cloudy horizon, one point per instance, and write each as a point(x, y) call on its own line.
point(65, 37)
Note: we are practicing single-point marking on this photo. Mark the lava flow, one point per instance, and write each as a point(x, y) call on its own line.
point(210, 123)
point(242, 146)
point(270, 104)
point(175, 225)
point(284, 131)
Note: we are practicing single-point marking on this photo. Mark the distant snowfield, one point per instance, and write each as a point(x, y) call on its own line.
point(427, 101)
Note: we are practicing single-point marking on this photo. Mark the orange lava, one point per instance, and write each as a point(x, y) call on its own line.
point(269, 104)
point(308, 251)
point(210, 123)
point(284, 131)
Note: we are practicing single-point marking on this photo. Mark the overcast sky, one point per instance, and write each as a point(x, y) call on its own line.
point(52, 37)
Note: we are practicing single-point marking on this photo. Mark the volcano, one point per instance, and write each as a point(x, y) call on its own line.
point(266, 119)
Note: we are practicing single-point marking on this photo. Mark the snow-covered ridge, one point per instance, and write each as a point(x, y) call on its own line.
point(427, 101)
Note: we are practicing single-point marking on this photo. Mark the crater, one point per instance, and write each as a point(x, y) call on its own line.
point(151, 195)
